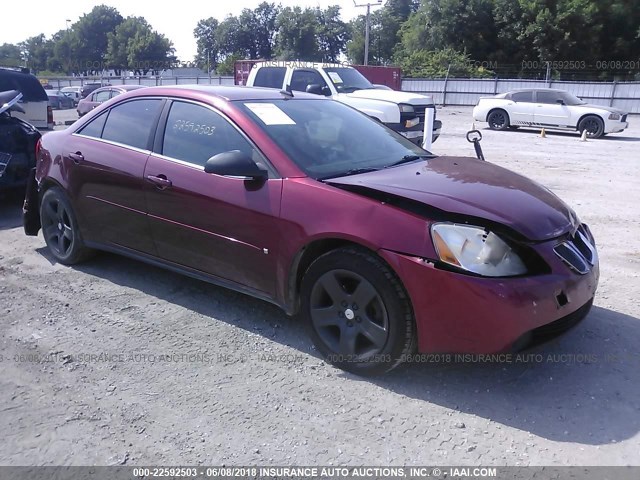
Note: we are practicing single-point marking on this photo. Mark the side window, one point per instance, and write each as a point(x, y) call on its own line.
point(300, 79)
point(521, 97)
point(102, 96)
point(546, 97)
point(94, 127)
point(131, 123)
point(195, 134)
point(272, 77)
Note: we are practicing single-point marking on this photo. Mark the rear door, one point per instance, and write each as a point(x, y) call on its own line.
point(549, 111)
point(222, 226)
point(108, 157)
point(522, 110)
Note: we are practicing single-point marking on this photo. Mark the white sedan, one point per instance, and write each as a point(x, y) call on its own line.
point(548, 108)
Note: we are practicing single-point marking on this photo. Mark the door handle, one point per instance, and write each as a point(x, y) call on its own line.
point(76, 157)
point(161, 181)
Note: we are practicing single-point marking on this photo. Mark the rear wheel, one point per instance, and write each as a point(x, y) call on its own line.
point(60, 228)
point(593, 125)
point(357, 312)
point(498, 120)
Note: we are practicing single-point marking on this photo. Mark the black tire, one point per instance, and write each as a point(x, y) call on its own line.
point(60, 228)
point(357, 312)
point(498, 119)
point(593, 125)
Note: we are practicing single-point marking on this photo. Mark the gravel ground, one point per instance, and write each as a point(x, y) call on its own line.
point(117, 362)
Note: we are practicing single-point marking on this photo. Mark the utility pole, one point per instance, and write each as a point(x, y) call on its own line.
point(68, 69)
point(367, 26)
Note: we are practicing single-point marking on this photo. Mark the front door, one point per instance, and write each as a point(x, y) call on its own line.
point(222, 226)
point(549, 110)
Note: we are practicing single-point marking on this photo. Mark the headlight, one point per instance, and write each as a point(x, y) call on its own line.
point(614, 116)
point(476, 250)
point(404, 108)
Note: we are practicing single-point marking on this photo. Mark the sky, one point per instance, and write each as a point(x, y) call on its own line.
point(175, 19)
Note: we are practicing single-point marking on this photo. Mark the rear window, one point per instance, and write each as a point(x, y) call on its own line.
point(522, 97)
point(272, 77)
point(130, 123)
point(25, 83)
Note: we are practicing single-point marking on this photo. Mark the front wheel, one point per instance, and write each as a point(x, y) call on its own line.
point(593, 125)
point(498, 120)
point(357, 312)
point(60, 228)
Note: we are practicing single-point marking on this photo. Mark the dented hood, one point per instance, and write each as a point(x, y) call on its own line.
point(392, 96)
point(467, 186)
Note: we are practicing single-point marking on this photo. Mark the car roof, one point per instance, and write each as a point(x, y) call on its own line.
point(229, 93)
point(24, 82)
point(518, 90)
point(127, 87)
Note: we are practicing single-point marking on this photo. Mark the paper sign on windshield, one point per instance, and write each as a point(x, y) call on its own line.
point(335, 77)
point(270, 114)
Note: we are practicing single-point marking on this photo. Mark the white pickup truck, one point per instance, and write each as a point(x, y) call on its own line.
point(404, 112)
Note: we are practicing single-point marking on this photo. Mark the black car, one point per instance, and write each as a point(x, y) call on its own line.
point(18, 143)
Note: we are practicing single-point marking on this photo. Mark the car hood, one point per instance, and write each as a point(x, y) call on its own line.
point(591, 106)
point(391, 96)
point(470, 187)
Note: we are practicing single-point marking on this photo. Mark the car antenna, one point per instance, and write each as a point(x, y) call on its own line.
point(287, 91)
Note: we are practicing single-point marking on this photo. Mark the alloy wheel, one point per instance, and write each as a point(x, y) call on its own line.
point(349, 315)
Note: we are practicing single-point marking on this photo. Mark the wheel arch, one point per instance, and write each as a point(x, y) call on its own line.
point(493, 109)
point(590, 114)
point(306, 256)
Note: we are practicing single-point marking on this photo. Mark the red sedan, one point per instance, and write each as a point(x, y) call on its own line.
point(382, 248)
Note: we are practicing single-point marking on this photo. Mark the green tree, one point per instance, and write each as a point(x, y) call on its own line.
point(135, 46)
point(331, 33)
point(10, 55)
point(264, 34)
point(90, 38)
point(35, 52)
point(385, 25)
point(440, 63)
point(208, 54)
point(296, 38)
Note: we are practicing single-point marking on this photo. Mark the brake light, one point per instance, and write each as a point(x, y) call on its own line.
point(49, 115)
point(38, 148)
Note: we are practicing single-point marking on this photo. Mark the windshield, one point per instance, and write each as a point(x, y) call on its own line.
point(570, 99)
point(328, 139)
point(347, 80)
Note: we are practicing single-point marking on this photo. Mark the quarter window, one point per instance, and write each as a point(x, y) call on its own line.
point(94, 127)
point(194, 134)
point(521, 97)
point(102, 96)
point(131, 123)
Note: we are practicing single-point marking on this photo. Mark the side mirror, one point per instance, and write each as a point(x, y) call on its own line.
point(560, 101)
point(316, 89)
point(235, 164)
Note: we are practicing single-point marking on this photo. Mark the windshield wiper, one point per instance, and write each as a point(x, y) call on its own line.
point(353, 171)
point(408, 159)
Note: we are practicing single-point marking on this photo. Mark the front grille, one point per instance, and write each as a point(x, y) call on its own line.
point(578, 251)
point(420, 112)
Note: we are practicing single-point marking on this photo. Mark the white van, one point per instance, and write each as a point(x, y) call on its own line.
point(35, 102)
